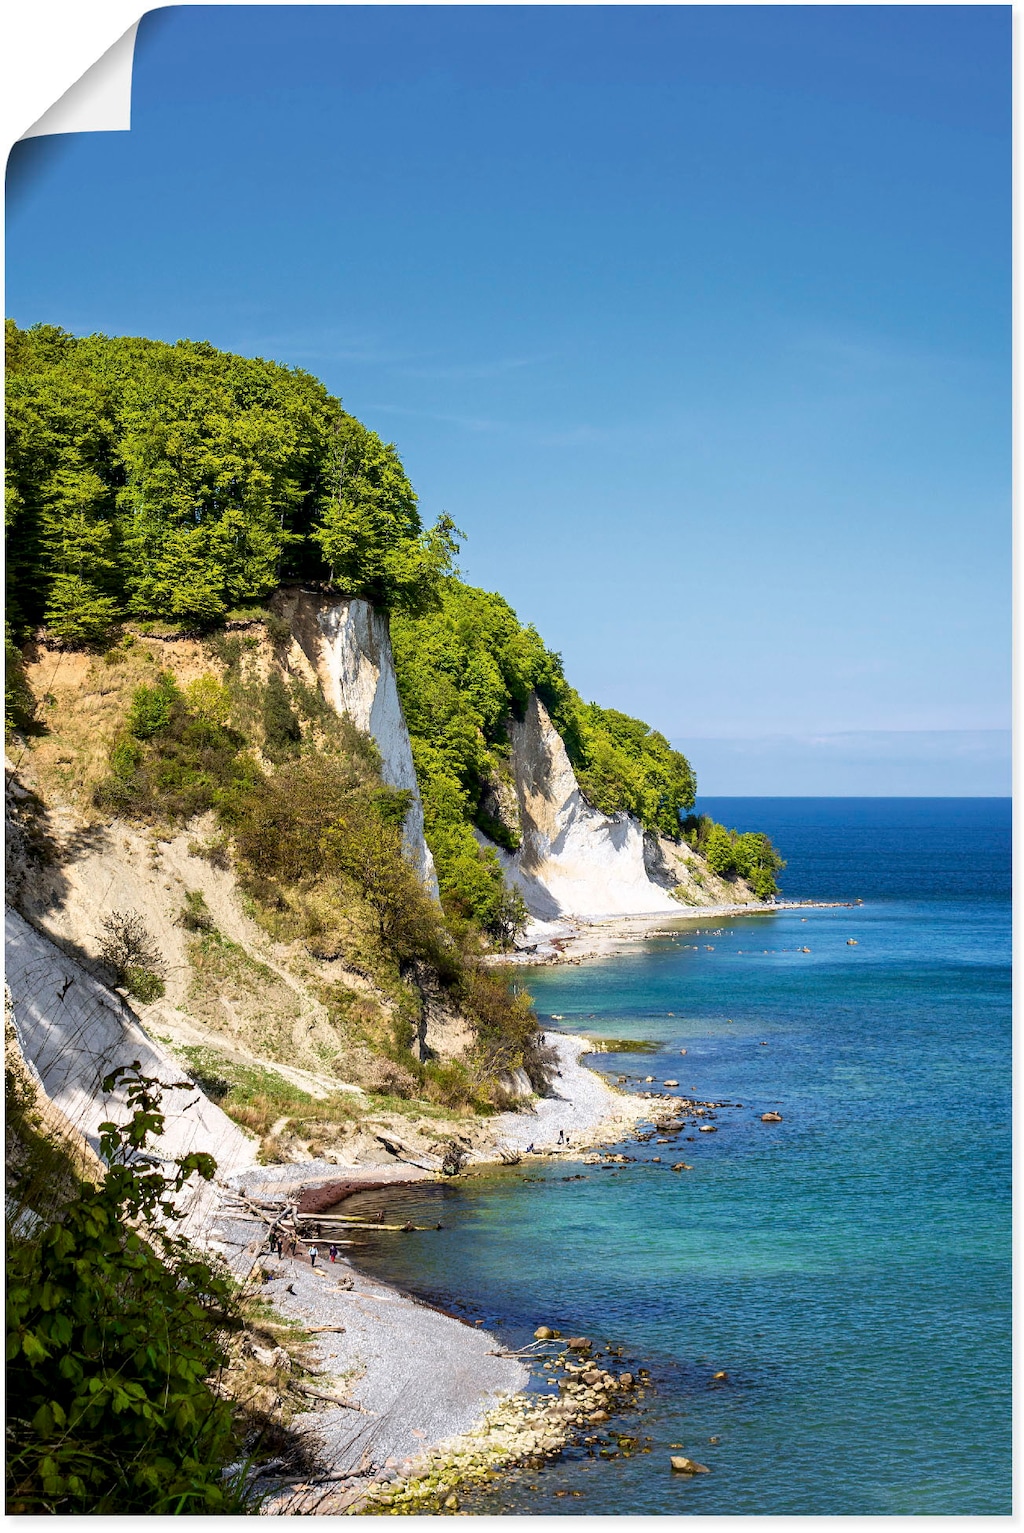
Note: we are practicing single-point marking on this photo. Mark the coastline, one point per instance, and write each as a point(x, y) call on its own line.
point(574, 939)
point(428, 1398)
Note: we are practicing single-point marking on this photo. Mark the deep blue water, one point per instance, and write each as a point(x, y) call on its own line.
point(849, 1267)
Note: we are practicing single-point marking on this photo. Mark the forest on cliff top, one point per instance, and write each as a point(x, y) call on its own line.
point(183, 485)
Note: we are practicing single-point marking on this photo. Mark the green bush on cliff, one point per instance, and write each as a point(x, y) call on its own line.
point(114, 1330)
point(182, 482)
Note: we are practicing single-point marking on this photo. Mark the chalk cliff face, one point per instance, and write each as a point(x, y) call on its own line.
point(346, 642)
point(72, 1031)
point(574, 860)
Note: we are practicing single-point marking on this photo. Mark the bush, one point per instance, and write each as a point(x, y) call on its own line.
point(152, 707)
point(114, 1328)
point(282, 732)
point(195, 915)
point(178, 757)
point(130, 953)
point(388, 1078)
point(19, 701)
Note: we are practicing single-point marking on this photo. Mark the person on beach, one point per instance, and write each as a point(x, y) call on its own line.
point(529, 1149)
point(561, 1136)
point(313, 1254)
point(332, 1252)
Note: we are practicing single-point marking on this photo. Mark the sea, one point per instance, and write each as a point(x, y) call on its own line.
point(823, 1303)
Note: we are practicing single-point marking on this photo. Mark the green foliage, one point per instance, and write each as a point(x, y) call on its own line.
point(114, 1327)
point(465, 670)
point(622, 764)
point(729, 853)
point(129, 952)
point(370, 530)
point(282, 731)
point(152, 707)
point(175, 759)
point(195, 915)
point(462, 670)
point(19, 701)
point(184, 483)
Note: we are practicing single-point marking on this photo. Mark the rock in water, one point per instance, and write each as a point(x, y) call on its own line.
point(687, 1465)
point(578, 1343)
point(670, 1083)
point(771, 1117)
point(543, 1333)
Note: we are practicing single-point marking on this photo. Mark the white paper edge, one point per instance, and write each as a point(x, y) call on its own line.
point(101, 101)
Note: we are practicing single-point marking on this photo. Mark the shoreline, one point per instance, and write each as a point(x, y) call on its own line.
point(426, 1394)
point(575, 939)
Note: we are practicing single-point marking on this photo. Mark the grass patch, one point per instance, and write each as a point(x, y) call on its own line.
point(229, 986)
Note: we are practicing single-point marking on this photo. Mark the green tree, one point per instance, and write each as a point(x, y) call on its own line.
point(370, 529)
point(720, 854)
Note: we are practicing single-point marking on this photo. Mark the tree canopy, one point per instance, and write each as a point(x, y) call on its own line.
point(181, 482)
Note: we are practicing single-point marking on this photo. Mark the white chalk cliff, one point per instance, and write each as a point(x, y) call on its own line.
point(347, 643)
point(574, 860)
point(72, 1031)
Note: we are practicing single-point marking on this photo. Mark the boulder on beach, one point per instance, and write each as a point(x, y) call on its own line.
point(687, 1465)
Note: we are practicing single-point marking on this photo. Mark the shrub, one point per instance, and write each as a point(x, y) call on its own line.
point(178, 757)
point(152, 707)
point(19, 702)
point(208, 700)
point(388, 1078)
point(130, 953)
point(282, 732)
point(114, 1328)
point(194, 914)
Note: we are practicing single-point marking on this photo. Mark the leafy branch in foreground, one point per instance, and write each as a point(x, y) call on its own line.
point(114, 1329)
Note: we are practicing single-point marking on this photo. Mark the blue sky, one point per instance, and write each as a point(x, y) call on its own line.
point(696, 319)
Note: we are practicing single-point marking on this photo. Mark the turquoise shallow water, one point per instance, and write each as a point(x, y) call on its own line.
point(849, 1267)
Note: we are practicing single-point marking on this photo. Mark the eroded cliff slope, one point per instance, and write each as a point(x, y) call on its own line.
point(575, 862)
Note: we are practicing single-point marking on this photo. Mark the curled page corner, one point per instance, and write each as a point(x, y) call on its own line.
point(99, 102)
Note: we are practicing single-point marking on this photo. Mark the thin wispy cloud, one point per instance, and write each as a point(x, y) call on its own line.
point(457, 372)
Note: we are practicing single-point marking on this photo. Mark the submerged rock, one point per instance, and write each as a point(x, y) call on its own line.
point(687, 1465)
